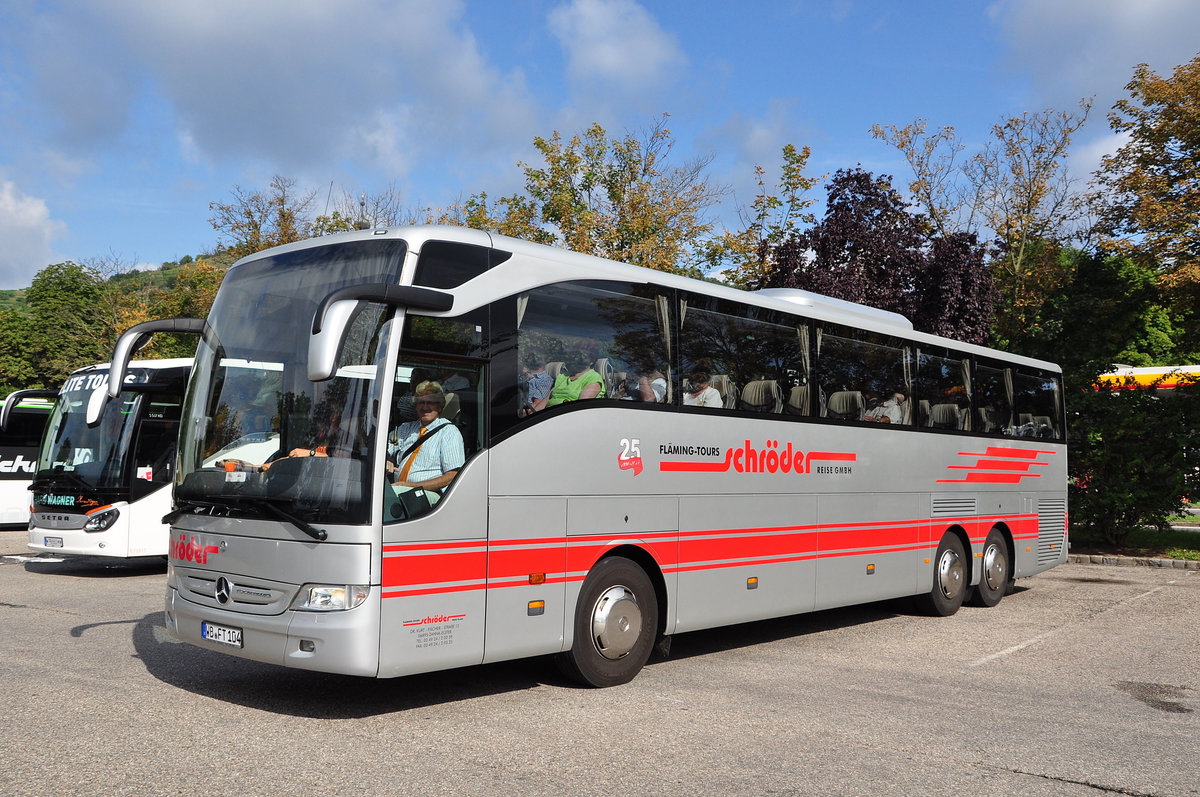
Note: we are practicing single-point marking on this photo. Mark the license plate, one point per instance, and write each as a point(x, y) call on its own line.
point(222, 634)
point(54, 542)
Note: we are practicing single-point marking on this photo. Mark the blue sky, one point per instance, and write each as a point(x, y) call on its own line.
point(121, 120)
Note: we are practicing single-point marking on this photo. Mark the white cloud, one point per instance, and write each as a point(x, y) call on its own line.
point(27, 231)
point(291, 84)
point(1080, 48)
point(616, 48)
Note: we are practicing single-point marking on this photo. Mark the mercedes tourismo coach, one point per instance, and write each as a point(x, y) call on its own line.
point(20, 434)
point(839, 457)
point(102, 488)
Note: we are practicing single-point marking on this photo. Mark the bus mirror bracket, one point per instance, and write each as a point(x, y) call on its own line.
point(16, 397)
point(130, 341)
point(334, 314)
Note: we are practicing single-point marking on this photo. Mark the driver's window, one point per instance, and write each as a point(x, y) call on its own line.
point(432, 428)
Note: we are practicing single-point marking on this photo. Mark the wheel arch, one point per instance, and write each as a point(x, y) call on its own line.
point(973, 571)
point(643, 559)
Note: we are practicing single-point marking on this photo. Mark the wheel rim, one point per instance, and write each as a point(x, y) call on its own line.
point(616, 622)
point(950, 574)
point(994, 567)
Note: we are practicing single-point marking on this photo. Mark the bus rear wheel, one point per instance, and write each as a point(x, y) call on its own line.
point(616, 620)
point(949, 578)
point(995, 572)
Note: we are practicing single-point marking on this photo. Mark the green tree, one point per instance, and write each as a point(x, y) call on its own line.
point(65, 311)
point(1133, 458)
point(16, 367)
point(1148, 191)
point(1109, 312)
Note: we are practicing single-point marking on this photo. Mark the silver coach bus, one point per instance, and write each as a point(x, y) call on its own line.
point(734, 456)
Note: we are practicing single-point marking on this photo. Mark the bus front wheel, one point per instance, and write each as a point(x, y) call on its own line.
point(616, 620)
point(949, 578)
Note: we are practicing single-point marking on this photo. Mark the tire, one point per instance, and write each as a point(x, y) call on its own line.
point(949, 579)
point(995, 575)
point(616, 621)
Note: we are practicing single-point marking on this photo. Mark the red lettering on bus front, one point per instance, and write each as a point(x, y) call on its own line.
point(191, 550)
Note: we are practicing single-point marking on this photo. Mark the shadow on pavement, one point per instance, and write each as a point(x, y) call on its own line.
point(94, 566)
point(301, 693)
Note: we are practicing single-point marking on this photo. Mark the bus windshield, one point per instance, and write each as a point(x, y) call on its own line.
point(265, 439)
point(93, 456)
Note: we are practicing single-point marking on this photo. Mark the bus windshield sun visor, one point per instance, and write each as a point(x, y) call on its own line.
point(405, 296)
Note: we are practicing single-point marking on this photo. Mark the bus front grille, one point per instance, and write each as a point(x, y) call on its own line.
point(234, 593)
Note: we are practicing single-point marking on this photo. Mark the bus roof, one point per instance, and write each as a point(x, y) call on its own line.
point(534, 265)
point(176, 362)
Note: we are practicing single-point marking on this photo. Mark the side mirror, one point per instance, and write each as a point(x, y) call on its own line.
point(16, 397)
point(130, 341)
point(337, 310)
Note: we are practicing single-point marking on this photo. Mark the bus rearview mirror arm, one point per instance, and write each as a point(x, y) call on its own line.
point(130, 341)
point(335, 313)
point(16, 397)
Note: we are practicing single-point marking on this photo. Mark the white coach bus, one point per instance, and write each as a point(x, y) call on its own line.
point(20, 434)
point(840, 457)
point(102, 488)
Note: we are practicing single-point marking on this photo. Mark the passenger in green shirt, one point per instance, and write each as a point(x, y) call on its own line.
point(585, 382)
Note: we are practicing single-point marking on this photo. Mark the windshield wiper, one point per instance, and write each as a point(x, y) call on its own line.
point(307, 528)
point(184, 508)
point(243, 503)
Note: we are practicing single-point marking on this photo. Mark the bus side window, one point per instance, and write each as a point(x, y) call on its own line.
point(751, 358)
point(866, 376)
point(944, 389)
point(589, 331)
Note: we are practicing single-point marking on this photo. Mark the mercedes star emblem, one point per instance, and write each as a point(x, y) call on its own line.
point(223, 590)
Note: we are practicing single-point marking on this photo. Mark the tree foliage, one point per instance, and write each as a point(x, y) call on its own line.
point(1133, 458)
point(774, 216)
point(1148, 191)
point(866, 249)
point(938, 188)
point(66, 321)
point(1015, 193)
point(870, 248)
point(255, 221)
point(955, 294)
point(620, 198)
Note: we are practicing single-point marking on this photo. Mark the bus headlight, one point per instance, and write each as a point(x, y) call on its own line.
point(102, 521)
point(330, 597)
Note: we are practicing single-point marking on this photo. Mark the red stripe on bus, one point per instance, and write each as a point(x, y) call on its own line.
point(434, 568)
point(508, 563)
point(992, 478)
point(997, 464)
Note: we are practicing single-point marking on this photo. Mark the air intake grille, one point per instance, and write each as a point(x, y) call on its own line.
point(953, 506)
point(1052, 530)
